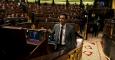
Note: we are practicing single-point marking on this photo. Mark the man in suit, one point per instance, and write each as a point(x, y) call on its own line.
point(64, 35)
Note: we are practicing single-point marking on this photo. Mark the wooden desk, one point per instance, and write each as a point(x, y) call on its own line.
point(74, 54)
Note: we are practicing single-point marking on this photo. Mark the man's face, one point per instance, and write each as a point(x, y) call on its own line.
point(33, 26)
point(62, 19)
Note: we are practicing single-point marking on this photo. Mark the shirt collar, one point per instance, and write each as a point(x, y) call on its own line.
point(63, 25)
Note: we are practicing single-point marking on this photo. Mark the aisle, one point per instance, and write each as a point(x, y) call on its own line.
point(92, 49)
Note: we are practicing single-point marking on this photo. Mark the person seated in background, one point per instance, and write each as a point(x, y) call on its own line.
point(32, 33)
point(33, 26)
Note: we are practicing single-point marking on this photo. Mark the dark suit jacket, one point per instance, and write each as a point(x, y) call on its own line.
point(70, 41)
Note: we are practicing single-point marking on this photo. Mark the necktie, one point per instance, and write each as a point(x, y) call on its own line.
point(61, 32)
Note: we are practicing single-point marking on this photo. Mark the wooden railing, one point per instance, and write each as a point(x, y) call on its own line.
point(75, 54)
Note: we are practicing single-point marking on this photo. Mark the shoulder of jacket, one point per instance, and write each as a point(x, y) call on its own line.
point(56, 24)
point(68, 24)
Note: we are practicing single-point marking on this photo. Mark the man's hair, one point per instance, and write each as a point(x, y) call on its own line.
point(64, 15)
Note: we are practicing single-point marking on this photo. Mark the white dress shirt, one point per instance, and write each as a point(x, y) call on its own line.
point(63, 34)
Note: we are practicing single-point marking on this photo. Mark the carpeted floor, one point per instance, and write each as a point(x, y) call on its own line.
point(92, 49)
